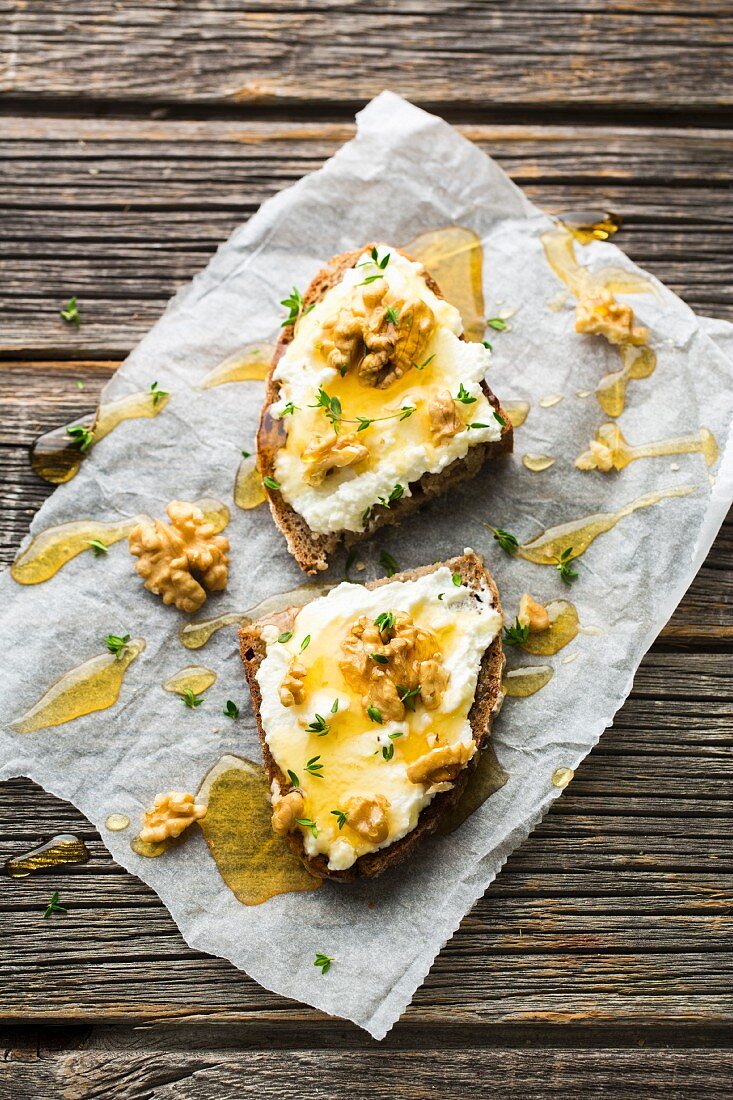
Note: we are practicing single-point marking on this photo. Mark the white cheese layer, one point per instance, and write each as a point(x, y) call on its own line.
point(350, 762)
point(400, 450)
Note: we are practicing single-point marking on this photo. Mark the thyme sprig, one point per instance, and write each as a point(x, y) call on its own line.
point(517, 633)
point(294, 304)
point(333, 411)
point(564, 566)
point(508, 542)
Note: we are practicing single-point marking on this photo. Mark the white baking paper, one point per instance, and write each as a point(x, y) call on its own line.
point(405, 172)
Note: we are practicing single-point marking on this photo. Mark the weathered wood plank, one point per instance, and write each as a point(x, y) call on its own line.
point(486, 55)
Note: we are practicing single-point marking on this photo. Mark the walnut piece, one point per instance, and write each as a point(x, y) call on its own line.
point(292, 689)
point(599, 313)
point(366, 336)
point(444, 419)
point(599, 456)
point(182, 560)
point(385, 666)
point(441, 764)
point(286, 810)
point(171, 814)
point(368, 817)
point(335, 452)
point(533, 614)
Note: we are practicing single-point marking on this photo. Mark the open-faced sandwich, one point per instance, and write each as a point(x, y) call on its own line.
point(373, 704)
point(374, 404)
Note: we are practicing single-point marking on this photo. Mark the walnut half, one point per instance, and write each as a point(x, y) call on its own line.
point(368, 817)
point(286, 810)
point(444, 419)
point(171, 814)
point(441, 764)
point(335, 452)
point(182, 560)
point(600, 314)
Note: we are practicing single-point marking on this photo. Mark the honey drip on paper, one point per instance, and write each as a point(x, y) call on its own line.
point(562, 629)
point(56, 456)
point(636, 363)
point(54, 547)
point(195, 678)
point(249, 364)
point(93, 685)
point(522, 682)
point(454, 258)
point(249, 492)
point(591, 225)
point(253, 861)
point(578, 534)
point(117, 823)
point(197, 634)
point(518, 411)
point(59, 851)
point(621, 452)
point(150, 849)
point(537, 463)
point(551, 400)
point(561, 777)
point(486, 779)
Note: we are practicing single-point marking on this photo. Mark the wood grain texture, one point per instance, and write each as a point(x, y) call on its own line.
point(614, 55)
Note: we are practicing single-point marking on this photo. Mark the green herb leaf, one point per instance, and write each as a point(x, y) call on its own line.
point(335, 706)
point(231, 710)
point(319, 726)
point(98, 547)
point(324, 962)
point(476, 424)
point(270, 482)
point(308, 823)
point(116, 643)
point(397, 493)
point(497, 323)
point(516, 634)
point(385, 623)
point(79, 384)
point(305, 643)
point(565, 568)
point(508, 542)
point(392, 315)
point(314, 768)
point(294, 304)
point(53, 906)
point(464, 396)
point(387, 751)
point(83, 437)
point(156, 394)
point(408, 695)
point(341, 817)
point(293, 778)
point(289, 409)
point(396, 734)
point(70, 313)
point(407, 411)
point(457, 579)
point(422, 366)
point(500, 419)
point(246, 454)
point(371, 279)
point(190, 699)
point(285, 636)
point(379, 658)
point(388, 563)
point(487, 345)
point(375, 715)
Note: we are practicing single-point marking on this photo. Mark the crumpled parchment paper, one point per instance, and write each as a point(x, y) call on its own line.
point(405, 172)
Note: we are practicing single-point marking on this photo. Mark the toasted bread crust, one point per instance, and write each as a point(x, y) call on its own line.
point(488, 694)
point(312, 550)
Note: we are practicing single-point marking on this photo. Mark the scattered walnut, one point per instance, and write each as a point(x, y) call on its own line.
point(441, 764)
point(292, 689)
point(533, 614)
point(599, 456)
point(171, 814)
point(382, 694)
point(599, 313)
point(182, 560)
point(286, 810)
point(433, 682)
point(444, 419)
point(335, 452)
point(368, 817)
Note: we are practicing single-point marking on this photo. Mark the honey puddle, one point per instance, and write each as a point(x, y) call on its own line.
point(577, 535)
point(486, 779)
point(59, 851)
point(151, 849)
point(249, 492)
point(94, 685)
point(636, 363)
point(48, 552)
point(591, 225)
point(253, 862)
point(518, 411)
point(561, 777)
point(551, 400)
point(454, 257)
point(249, 364)
point(195, 678)
point(619, 452)
point(521, 682)
point(56, 456)
point(561, 631)
point(117, 823)
point(537, 463)
point(197, 634)
point(215, 513)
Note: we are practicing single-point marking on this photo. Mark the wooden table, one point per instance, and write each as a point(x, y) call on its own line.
point(135, 136)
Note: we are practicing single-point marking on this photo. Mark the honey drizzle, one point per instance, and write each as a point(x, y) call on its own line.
point(486, 779)
point(577, 535)
point(562, 630)
point(249, 492)
point(622, 453)
point(249, 364)
point(253, 861)
point(59, 851)
point(523, 682)
point(195, 678)
point(454, 258)
point(517, 411)
point(195, 635)
point(92, 686)
point(636, 363)
point(589, 225)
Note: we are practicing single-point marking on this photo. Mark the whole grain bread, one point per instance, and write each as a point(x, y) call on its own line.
point(486, 703)
point(311, 550)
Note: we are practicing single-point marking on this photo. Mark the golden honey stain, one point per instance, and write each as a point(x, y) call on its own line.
point(537, 463)
point(117, 823)
point(195, 678)
point(563, 628)
point(550, 400)
point(522, 682)
point(249, 492)
point(636, 363)
point(56, 456)
point(59, 851)
point(561, 777)
point(249, 364)
point(253, 861)
point(591, 225)
point(53, 548)
point(215, 512)
point(454, 257)
point(517, 411)
point(486, 779)
point(577, 535)
point(92, 686)
point(149, 849)
point(610, 449)
point(195, 635)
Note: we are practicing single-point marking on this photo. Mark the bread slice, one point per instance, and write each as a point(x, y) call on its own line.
point(487, 701)
point(310, 549)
